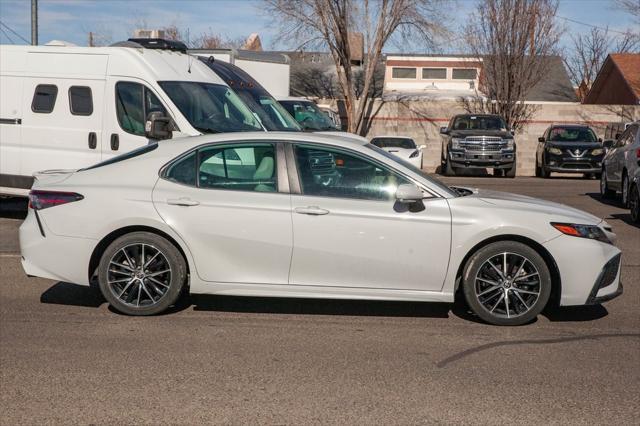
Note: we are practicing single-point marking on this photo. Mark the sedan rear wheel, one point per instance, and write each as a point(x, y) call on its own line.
point(634, 203)
point(625, 190)
point(605, 192)
point(141, 274)
point(507, 283)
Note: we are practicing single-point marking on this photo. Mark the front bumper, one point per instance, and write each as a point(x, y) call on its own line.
point(608, 277)
point(565, 164)
point(482, 159)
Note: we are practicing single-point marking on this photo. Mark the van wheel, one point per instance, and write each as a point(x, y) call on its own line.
point(141, 274)
point(506, 283)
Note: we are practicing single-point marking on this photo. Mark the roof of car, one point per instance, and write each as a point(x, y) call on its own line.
point(391, 137)
point(477, 115)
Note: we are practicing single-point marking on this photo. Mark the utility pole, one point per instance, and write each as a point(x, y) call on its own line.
point(34, 22)
point(90, 38)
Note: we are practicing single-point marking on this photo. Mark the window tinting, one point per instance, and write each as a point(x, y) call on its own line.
point(80, 101)
point(332, 173)
point(239, 168)
point(44, 98)
point(434, 73)
point(572, 134)
point(464, 74)
point(183, 171)
point(403, 143)
point(134, 102)
point(403, 72)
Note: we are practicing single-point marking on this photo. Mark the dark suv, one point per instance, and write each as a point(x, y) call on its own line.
point(569, 149)
point(478, 141)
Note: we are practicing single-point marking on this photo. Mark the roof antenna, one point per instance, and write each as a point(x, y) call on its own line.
point(190, 61)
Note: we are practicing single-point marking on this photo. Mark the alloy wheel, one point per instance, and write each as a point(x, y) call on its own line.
point(507, 285)
point(139, 275)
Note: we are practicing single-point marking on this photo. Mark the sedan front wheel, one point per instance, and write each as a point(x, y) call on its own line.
point(507, 283)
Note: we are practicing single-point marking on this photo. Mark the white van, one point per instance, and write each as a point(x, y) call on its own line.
point(64, 107)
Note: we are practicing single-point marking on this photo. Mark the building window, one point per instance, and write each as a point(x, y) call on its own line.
point(80, 100)
point(464, 73)
point(403, 72)
point(434, 73)
point(44, 98)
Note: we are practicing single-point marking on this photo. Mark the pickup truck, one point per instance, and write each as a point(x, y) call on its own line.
point(478, 141)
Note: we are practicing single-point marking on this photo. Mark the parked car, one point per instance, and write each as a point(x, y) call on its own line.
point(621, 163)
point(332, 113)
point(402, 147)
point(634, 197)
point(569, 149)
point(69, 107)
point(478, 141)
point(308, 215)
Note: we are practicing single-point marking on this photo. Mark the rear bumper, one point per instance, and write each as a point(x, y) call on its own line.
point(478, 159)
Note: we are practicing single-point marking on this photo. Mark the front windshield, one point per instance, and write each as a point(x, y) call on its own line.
point(273, 116)
point(309, 115)
point(444, 188)
point(403, 143)
point(572, 134)
point(211, 108)
point(478, 122)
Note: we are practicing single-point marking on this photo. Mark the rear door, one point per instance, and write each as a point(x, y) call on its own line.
point(230, 204)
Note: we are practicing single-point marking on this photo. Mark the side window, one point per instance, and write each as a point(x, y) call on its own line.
point(80, 100)
point(333, 173)
point(44, 98)
point(183, 171)
point(134, 102)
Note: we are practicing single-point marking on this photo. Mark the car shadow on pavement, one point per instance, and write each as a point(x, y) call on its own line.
point(73, 295)
point(626, 218)
point(615, 202)
point(575, 313)
point(295, 306)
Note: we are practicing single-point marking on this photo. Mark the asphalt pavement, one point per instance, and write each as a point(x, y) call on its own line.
point(65, 357)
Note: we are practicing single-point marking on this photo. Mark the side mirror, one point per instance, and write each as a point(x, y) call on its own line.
point(607, 144)
point(444, 131)
point(158, 126)
point(600, 140)
point(617, 136)
point(408, 193)
point(422, 146)
point(513, 132)
point(540, 139)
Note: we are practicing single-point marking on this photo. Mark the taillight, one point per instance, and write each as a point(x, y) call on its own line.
point(638, 153)
point(39, 200)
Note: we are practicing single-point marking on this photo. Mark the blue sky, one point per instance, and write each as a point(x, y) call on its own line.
point(71, 20)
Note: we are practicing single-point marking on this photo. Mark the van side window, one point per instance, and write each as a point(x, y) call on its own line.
point(80, 100)
point(44, 98)
point(134, 102)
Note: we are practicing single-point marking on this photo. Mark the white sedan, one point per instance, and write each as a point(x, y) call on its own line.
point(307, 215)
point(402, 147)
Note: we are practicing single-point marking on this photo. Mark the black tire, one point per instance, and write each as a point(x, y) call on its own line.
point(597, 175)
point(511, 173)
point(538, 171)
point(605, 191)
point(538, 292)
point(133, 253)
point(624, 189)
point(634, 203)
point(544, 172)
point(449, 170)
point(498, 173)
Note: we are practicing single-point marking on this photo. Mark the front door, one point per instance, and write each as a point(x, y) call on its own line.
point(349, 232)
point(228, 205)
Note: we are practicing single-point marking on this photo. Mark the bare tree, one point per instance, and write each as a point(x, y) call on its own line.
point(588, 52)
point(206, 40)
point(515, 39)
point(332, 24)
point(632, 7)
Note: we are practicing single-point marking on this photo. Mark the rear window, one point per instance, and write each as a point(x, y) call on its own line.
point(44, 98)
point(403, 143)
point(80, 100)
point(131, 154)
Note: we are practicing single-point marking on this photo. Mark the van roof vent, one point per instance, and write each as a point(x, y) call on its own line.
point(160, 43)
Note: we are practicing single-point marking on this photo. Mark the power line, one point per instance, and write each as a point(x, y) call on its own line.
point(7, 35)
point(591, 25)
point(14, 32)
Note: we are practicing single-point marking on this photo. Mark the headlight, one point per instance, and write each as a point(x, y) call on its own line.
point(554, 150)
point(597, 151)
point(414, 154)
point(510, 143)
point(455, 143)
point(591, 232)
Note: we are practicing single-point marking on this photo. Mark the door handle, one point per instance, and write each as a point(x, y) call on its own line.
point(93, 140)
point(311, 210)
point(115, 142)
point(186, 202)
